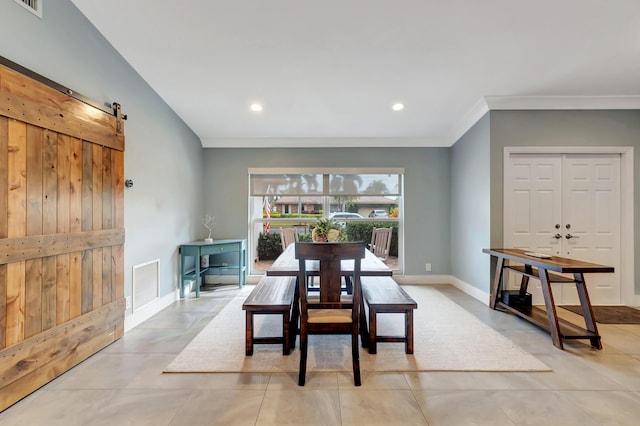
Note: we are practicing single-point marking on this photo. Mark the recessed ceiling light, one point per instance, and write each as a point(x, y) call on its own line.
point(397, 107)
point(256, 107)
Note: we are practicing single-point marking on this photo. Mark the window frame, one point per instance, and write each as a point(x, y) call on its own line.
point(325, 195)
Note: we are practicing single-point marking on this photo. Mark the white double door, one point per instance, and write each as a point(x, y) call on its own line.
point(566, 205)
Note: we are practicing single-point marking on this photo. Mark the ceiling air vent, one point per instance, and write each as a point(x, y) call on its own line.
point(33, 6)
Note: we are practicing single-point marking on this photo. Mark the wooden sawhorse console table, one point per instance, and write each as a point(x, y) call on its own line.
point(539, 268)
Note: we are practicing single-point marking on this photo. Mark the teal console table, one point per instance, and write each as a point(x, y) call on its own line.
point(217, 251)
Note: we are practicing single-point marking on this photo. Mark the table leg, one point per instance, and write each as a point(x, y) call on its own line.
point(182, 295)
point(524, 282)
point(364, 327)
point(348, 284)
point(373, 330)
point(286, 330)
point(587, 310)
point(249, 333)
point(497, 282)
point(295, 317)
point(198, 277)
point(242, 262)
point(554, 326)
point(408, 330)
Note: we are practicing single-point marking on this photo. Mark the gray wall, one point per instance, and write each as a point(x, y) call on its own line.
point(446, 189)
point(427, 191)
point(162, 155)
point(561, 128)
point(470, 200)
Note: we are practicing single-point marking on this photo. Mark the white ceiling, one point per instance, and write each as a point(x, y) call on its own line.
point(333, 68)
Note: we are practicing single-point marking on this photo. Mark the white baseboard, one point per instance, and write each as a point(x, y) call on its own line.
point(149, 310)
point(472, 291)
point(422, 279)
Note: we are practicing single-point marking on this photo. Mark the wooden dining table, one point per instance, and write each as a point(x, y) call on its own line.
point(287, 265)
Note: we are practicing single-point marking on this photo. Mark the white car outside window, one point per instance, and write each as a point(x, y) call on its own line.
point(344, 215)
point(378, 213)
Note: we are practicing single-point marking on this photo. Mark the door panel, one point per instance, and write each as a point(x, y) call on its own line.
point(592, 212)
point(566, 205)
point(61, 222)
point(533, 202)
point(533, 208)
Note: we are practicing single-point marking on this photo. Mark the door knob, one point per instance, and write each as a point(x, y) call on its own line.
point(569, 236)
point(557, 236)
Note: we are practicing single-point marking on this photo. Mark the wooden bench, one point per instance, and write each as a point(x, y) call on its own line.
point(273, 296)
point(384, 296)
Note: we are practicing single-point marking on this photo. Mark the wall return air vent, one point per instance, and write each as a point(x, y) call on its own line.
point(33, 6)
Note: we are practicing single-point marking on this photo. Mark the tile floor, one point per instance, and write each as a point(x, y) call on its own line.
point(124, 385)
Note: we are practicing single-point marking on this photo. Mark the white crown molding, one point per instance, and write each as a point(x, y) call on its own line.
point(477, 111)
point(532, 103)
point(320, 142)
point(561, 102)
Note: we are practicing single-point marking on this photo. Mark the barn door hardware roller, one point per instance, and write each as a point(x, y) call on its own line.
point(119, 116)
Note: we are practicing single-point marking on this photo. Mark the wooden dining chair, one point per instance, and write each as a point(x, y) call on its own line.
point(329, 312)
point(381, 242)
point(288, 236)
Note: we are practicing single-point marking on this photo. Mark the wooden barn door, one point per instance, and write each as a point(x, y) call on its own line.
point(61, 232)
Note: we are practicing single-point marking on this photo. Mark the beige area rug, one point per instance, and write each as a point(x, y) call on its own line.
point(446, 338)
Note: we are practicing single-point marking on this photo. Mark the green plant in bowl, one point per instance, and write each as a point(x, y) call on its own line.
point(326, 230)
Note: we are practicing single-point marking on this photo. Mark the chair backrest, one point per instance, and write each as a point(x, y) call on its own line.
point(381, 242)
point(329, 256)
point(288, 236)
